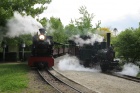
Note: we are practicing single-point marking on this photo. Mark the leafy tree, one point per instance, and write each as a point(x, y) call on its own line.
point(127, 44)
point(17, 41)
point(4, 15)
point(84, 23)
point(59, 33)
point(43, 21)
point(71, 29)
point(7, 7)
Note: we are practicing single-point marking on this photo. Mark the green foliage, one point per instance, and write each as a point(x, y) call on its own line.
point(13, 78)
point(84, 23)
point(59, 33)
point(4, 15)
point(71, 30)
point(25, 38)
point(138, 75)
point(127, 44)
point(7, 7)
point(56, 23)
point(43, 22)
point(17, 41)
point(85, 20)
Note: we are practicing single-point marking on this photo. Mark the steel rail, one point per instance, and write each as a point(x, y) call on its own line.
point(63, 81)
point(80, 88)
point(131, 78)
point(48, 81)
point(56, 79)
point(127, 77)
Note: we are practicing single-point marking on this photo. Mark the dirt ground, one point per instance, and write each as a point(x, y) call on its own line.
point(36, 84)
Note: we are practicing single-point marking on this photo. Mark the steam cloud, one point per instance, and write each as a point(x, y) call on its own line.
point(130, 69)
point(81, 42)
point(20, 25)
point(72, 63)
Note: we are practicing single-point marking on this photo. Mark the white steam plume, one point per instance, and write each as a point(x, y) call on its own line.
point(92, 40)
point(19, 25)
point(130, 69)
point(72, 63)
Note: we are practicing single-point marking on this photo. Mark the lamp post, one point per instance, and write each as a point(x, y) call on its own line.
point(4, 46)
point(115, 30)
point(23, 46)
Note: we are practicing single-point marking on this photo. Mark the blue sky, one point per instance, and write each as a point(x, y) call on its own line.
point(120, 14)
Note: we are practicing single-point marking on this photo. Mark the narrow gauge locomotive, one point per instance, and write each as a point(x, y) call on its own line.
point(42, 51)
point(100, 53)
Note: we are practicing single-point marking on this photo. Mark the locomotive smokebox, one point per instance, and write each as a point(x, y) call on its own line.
point(108, 40)
point(42, 31)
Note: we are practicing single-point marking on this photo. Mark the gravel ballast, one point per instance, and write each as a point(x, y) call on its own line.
point(99, 82)
point(37, 85)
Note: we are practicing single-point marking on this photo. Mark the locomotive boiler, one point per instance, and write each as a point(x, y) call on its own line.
point(101, 53)
point(42, 51)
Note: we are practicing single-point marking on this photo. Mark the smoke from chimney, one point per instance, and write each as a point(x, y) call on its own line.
point(93, 38)
point(19, 25)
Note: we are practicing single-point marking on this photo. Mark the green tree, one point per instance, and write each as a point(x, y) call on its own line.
point(59, 33)
point(127, 44)
point(84, 23)
point(7, 7)
point(15, 42)
point(43, 21)
point(71, 29)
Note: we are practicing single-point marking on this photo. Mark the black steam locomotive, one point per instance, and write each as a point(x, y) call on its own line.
point(99, 53)
point(42, 51)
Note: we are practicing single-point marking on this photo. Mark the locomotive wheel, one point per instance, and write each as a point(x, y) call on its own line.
point(86, 64)
point(104, 68)
point(41, 66)
point(90, 64)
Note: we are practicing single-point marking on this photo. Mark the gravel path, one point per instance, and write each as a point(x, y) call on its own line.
point(100, 82)
point(36, 84)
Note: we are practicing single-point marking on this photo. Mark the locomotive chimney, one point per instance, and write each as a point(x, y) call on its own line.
point(42, 31)
point(108, 40)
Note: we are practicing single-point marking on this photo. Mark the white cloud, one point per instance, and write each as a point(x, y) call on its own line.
point(104, 10)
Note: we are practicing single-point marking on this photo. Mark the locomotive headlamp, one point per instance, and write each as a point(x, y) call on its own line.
point(41, 37)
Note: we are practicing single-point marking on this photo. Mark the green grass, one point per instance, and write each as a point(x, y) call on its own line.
point(13, 77)
point(138, 75)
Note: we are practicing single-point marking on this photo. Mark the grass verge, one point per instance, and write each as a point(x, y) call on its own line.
point(138, 75)
point(13, 77)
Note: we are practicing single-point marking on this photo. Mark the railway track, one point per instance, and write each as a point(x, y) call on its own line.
point(61, 83)
point(70, 82)
point(131, 78)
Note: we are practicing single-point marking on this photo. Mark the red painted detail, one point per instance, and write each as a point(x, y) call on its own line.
point(48, 60)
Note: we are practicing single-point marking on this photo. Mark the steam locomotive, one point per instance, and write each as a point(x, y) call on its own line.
point(42, 51)
point(101, 53)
